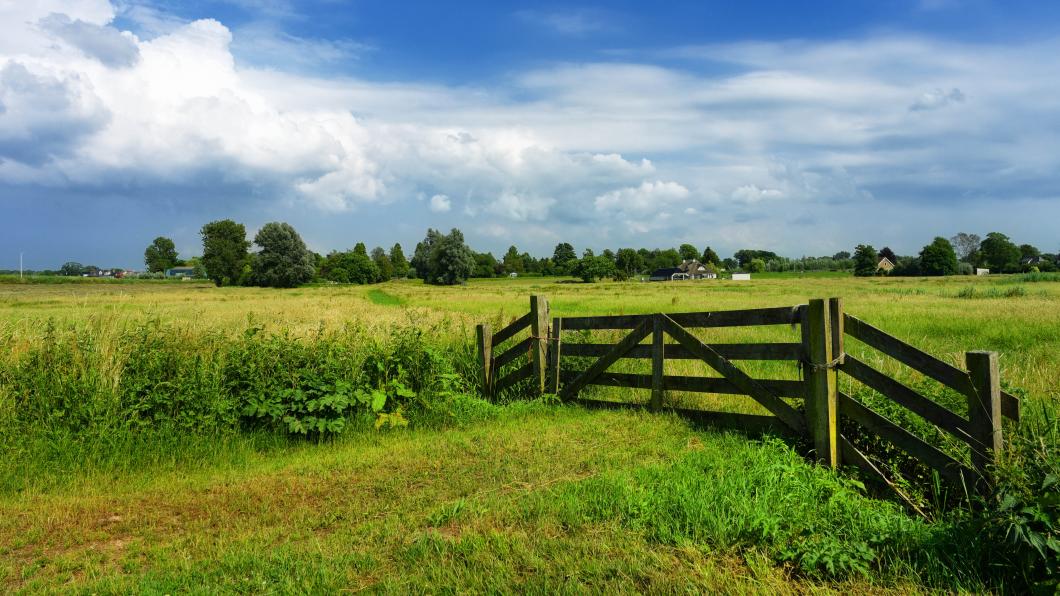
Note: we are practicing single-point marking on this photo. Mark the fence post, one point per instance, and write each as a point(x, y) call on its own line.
point(485, 356)
point(658, 358)
point(984, 411)
point(822, 417)
point(539, 331)
point(555, 345)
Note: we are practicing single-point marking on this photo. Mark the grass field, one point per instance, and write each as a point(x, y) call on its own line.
point(106, 497)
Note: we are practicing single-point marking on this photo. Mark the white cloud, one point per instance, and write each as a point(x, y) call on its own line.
point(440, 204)
point(750, 193)
point(106, 44)
point(600, 151)
point(570, 22)
point(643, 199)
point(936, 99)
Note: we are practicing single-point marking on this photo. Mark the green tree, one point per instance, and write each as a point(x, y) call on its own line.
point(938, 258)
point(756, 266)
point(887, 253)
point(399, 262)
point(485, 265)
point(564, 257)
point(999, 253)
point(628, 263)
point(965, 245)
point(224, 251)
point(513, 261)
point(591, 268)
point(688, 252)
point(709, 256)
point(451, 261)
point(746, 255)
point(283, 261)
point(71, 268)
point(160, 255)
point(865, 260)
point(841, 256)
point(422, 255)
point(1028, 251)
point(360, 249)
point(665, 258)
point(382, 262)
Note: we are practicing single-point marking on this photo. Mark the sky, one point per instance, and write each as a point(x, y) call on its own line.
point(801, 128)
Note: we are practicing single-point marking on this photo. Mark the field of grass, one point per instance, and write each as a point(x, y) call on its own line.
point(114, 482)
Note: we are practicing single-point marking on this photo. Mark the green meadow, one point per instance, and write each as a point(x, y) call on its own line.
point(164, 437)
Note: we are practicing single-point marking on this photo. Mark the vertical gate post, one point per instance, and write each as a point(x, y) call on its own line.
point(539, 333)
point(822, 416)
point(658, 358)
point(484, 338)
point(984, 412)
point(555, 345)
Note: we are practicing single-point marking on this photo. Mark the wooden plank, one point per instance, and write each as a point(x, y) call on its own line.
point(984, 411)
point(763, 351)
point(520, 349)
point(555, 346)
point(658, 360)
point(934, 413)
point(739, 378)
point(720, 385)
point(483, 339)
point(1010, 406)
point(784, 315)
point(852, 455)
point(522, 373)
point(607, 360)
point(750, 423)
point(510, 331)
point(912, 357)
point(539, 335)
point(946, 466)
point(835, 312)
point(822, 418)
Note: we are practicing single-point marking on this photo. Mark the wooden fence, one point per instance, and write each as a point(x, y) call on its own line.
point(820, 354)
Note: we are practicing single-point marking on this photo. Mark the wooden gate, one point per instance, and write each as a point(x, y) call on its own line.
point(820, 355)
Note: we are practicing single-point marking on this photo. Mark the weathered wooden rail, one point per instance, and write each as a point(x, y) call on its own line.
point(820, 355)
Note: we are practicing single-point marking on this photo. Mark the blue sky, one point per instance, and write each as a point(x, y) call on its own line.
point(798, 128)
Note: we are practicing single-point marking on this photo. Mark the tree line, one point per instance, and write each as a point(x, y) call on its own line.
point(281, 259)
point(960, 255)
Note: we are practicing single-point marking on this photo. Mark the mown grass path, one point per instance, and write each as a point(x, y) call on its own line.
point(521, 502)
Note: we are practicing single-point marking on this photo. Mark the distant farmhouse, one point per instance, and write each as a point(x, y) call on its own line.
point(688, 269)
point(180, 272)
point(885, 265)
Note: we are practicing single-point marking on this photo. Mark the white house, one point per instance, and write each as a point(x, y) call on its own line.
point(741, 277)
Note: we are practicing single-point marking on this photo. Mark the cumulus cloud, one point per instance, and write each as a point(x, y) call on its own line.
point(106, 44)
point(440, 204)
point(599, 151)
point(750, 193)
point(643, 199)
point(44, 117)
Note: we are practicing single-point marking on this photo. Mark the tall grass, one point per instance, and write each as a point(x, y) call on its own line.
point(85, 396)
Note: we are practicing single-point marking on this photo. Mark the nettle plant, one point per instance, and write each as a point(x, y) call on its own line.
point(317, 389)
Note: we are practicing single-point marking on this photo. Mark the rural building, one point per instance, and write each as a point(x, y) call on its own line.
point(885, 264)
point(741, 277)
point(981, 271)
point(180, 272)
point(688, 269)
